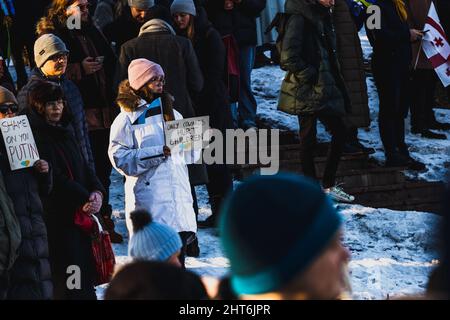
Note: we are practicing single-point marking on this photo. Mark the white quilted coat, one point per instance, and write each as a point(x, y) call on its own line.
point(158, 184)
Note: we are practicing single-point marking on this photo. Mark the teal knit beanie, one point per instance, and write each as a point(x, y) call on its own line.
point(272, 228)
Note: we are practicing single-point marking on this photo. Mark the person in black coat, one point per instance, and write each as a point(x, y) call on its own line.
point(127, 25)
point(30, 275)
point(238, 18)
point(76, 192)
point(212, 101)
point(5, 77)
point(26, 15)
point(91, 66)
point(390, 64)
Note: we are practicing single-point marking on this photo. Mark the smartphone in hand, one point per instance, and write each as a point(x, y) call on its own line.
point(100, 59)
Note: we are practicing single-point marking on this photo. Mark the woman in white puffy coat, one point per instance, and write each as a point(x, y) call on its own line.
point(156, 180)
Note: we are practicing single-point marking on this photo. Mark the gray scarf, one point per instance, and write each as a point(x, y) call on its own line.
point(156, 25)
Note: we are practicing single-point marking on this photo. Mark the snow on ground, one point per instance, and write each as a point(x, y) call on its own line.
point(392, 251)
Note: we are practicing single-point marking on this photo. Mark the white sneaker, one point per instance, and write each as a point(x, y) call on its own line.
point(339, 195)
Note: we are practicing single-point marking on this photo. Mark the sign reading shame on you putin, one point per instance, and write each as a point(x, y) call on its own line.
point(19, 142)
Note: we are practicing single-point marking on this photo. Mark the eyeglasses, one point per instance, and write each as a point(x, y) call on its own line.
point(58, 57)
point(157, 79)
point(55, 104)
point(4, 108)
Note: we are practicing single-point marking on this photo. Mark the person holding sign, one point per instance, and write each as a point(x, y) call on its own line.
point(156, 179)
point(193, 23)
point(30, 275)
point(77, 193)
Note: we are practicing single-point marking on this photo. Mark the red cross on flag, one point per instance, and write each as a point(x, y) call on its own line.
point(436, 46)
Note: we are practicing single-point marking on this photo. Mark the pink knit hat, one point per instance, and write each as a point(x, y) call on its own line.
point(140, 71)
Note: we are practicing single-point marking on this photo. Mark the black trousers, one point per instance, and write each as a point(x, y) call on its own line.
point(308, 134)
point(220, 183)
point(393, 93)
point(99, 144)
point(423, 87)
point(22, 39)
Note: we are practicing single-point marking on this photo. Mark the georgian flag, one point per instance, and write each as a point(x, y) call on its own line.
point(436, 46)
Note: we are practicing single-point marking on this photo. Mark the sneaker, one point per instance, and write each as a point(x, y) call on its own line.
point(338, 194)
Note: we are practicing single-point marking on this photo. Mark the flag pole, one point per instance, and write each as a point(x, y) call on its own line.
point(418, 55)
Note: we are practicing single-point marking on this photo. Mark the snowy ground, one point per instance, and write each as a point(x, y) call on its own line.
point(392, 251)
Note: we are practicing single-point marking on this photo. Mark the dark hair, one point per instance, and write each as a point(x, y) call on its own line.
point(140, 218)
point(151, 280)
point(145, 93)
point(43, 92)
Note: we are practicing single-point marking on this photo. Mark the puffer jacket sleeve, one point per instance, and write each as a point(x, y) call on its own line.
point(124, 154)
point(293, 46)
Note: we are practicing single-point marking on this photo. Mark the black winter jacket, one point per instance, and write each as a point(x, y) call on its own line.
point(73, 182)
point(240, 22)
point(157, 42)
point(30, 276)
point(313, 82)
point(211, 54)
point(391, 44)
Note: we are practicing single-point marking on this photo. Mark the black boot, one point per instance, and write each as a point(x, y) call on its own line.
point(108, 224)
point(432, 135)
point(193, 249)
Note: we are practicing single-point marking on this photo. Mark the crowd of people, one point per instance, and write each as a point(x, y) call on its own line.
point(98, 96)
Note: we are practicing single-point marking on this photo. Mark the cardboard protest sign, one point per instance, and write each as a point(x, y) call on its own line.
point(186, 134)
point(19, 142)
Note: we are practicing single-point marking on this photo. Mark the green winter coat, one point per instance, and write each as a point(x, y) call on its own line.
point(313, 82)
point(10, 235)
